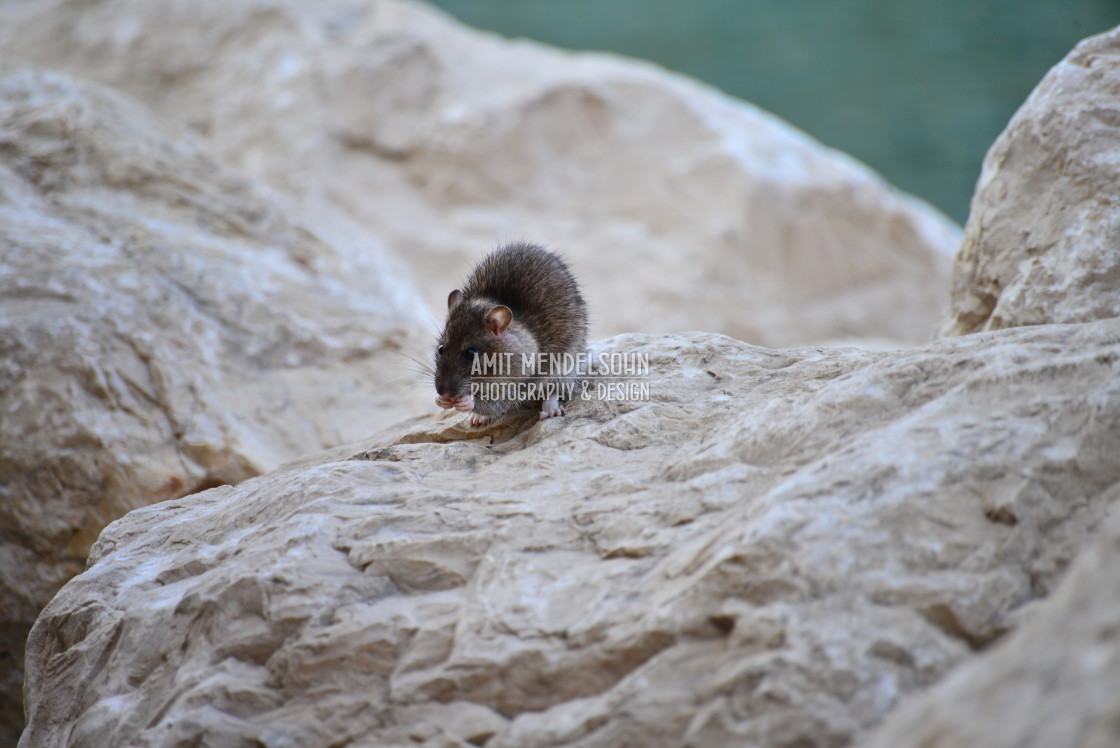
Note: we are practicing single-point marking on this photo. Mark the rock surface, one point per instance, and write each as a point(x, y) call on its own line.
point(1056, 682)
point(773, 550)
point(682, 209)
point(1042, 243)
point(776, 549)
point(165, 326)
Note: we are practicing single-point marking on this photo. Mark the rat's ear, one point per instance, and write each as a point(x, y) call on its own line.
point(454, 298)
point(498, 319)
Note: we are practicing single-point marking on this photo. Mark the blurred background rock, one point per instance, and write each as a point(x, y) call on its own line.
point(916, 90)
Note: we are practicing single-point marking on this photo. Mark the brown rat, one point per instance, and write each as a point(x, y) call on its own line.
point(520, 301)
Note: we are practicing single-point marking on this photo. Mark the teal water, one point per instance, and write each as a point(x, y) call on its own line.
point(916, 89)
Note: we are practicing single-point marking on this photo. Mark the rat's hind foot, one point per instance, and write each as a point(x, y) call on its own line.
point(550, 409)
point(479, 420)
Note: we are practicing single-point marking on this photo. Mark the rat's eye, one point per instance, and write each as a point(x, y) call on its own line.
point(470, 353)
point(439, 349)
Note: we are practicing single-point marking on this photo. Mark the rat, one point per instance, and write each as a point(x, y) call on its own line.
point(520, 301)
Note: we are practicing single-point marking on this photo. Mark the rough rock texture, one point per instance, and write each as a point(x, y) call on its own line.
point(165, 326)
point(682, 209)
point(1042, 243)
point(772, 551)
point(1056, 682)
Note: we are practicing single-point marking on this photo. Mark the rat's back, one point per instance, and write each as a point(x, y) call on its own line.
point(539, 289)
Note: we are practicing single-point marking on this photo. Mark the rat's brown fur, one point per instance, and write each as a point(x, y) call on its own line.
point(548, 316)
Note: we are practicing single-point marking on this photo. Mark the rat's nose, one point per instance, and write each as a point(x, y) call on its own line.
point(447, 383)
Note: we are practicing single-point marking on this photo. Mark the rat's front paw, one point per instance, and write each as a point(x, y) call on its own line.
point(550, 409)
point(463, 403)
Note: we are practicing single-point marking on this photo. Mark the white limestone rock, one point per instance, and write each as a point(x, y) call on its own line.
point(1054, 683)
point(166, 325)
point(1042, 242)
point(774, 550)
point(681, 208)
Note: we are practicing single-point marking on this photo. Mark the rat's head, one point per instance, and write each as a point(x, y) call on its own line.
point(475, 330)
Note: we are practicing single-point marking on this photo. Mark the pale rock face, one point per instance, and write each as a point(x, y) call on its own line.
point(1042, 242)
point(165, 326)
point(773, 550)
point(1040, 247)
point(1055, 682)
point(681, 209)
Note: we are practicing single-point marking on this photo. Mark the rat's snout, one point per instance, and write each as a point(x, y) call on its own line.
point(450, 387)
